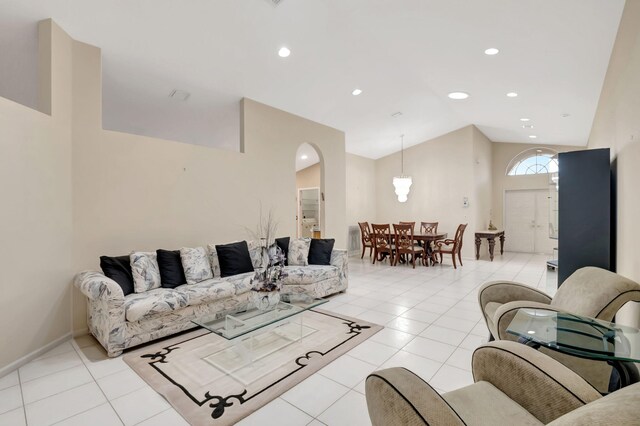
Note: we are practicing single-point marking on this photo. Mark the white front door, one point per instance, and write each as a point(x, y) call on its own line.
point(527, 221)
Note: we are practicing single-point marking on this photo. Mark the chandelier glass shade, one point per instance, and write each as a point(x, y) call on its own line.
point(402, 183)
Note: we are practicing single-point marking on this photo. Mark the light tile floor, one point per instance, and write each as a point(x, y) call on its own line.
point(432, 322)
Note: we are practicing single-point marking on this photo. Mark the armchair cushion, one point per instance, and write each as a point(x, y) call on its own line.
point(142, 305)
point(309, 274)
point(483, 404)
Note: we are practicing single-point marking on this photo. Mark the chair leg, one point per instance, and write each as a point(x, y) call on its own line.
point(363, 249)
point(413, 260)
point(370, 250)
point(460, 258)
point(375, 256)
point(441, 258)
point(453, 258)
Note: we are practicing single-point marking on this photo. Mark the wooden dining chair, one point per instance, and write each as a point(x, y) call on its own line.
point(413, 225)
point(405, 243)
point(452, 247)
point(428, 227)
point(367, 241)
point(382, 242)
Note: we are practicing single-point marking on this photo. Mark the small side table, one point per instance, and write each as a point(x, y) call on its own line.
point(491, 239)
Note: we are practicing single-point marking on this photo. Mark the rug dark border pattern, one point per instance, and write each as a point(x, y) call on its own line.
point(219, 403)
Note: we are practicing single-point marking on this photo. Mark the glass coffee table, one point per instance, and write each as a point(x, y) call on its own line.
point(255, 334)
point(580, 336)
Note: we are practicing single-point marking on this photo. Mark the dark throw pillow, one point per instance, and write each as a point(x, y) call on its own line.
point(234, 259)
point(171, 270)
point(283, 243)
point(118, 269)
point(320, 251)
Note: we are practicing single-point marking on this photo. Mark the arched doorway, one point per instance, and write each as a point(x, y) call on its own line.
point(309, 191)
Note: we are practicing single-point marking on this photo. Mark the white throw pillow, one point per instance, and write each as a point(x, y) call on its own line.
point(299, 251)
point(195, 264)
point(145, 270)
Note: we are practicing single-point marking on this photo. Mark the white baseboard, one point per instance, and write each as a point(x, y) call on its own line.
point(33, 355)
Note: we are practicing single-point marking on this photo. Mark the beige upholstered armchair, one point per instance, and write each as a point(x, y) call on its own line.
point(514, 385)
point(590, 292)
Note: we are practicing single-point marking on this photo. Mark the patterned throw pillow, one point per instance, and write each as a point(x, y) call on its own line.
point(145, 271)
point(196, 264)
point(213, 260)
point(299, 252)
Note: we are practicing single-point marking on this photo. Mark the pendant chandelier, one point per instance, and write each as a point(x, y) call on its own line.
point(402, 183)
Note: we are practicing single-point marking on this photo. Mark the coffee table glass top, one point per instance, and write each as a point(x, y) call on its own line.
point(576, 335)
point(249, 318)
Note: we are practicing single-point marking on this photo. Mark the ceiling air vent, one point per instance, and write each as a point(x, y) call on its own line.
point(179, 95)
point(275, 2)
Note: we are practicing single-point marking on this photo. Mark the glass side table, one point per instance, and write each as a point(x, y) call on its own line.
point(583, 337)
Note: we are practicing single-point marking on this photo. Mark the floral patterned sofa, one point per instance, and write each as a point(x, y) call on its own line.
point(119, 322)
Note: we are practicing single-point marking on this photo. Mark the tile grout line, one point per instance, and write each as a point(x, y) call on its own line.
point(24, 406)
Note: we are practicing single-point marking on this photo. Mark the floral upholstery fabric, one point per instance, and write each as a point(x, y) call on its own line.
point(309, 274)
point(255, 251)
point(299, 252)
point(120, 322)
point(241, 282)
point(195, 263)
point(142, 305)
point(146, 273)
point(206, 291)
point(213, 260)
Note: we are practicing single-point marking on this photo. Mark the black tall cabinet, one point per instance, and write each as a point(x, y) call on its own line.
point(585, 219)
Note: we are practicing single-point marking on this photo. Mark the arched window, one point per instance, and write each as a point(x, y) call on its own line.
point(534, 161)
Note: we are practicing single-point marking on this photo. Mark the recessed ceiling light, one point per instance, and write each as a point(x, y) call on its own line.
point(565, 115)
point(532, 136)
point(396, 114)
point(525, 119)
point(356, 92)
point(538, 150)
point(284, 52)
point(304, 157)
point(527, 126)
point(512, 94)
point(491, 51)
point(458, 95)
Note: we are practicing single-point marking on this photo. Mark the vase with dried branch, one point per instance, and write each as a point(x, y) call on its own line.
point(267, 280)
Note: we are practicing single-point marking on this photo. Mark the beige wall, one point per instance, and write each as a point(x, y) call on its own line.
point(36, 216)
point(77, 192)
point(617, 126)
point(444, 172)
point(361, 193)
point(503, 153)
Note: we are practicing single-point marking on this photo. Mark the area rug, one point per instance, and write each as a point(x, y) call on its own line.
point(211, 380)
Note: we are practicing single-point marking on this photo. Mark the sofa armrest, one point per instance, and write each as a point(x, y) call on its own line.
point(339, 258)
point(396, 396)
point(505, 313)
point(96, 286)
point(538, 383)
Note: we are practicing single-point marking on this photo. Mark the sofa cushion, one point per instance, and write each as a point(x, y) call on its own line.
point(196, 264)
point(309, 274)
point(320, 251)
point(241, 282)
point(160, 300)
point(234, 259)
point(118, 269)
point(171, 270)
point(206, 291)
point(283, 243)
point(146, 274)
point(298, 254)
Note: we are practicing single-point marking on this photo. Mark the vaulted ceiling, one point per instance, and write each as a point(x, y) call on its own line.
point(405, 56)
